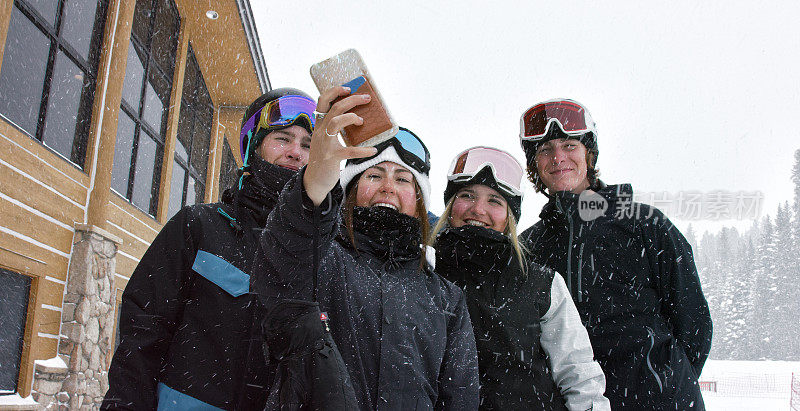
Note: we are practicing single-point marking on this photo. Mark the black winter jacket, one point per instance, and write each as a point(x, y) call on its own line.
point(506, 308)
point(633, 279)
point(189, 328)
point(404, 333)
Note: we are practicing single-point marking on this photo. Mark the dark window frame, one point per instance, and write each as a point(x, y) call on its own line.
point(228, 166)
point(193, 107)
point(144, 48)
point(90, 67)
point(15, 329)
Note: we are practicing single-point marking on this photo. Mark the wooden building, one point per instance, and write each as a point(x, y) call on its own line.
point(113, 115)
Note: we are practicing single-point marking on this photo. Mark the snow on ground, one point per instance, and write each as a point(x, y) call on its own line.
point(749, 385)
point(16, 401)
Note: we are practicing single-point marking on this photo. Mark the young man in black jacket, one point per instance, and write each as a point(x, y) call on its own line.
point(629, 270)
point(190, 330)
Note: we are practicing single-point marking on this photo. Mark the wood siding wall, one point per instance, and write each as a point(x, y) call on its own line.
point(43, 195)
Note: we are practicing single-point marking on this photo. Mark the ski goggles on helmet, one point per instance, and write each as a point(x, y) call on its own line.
point(409, 148)
point(279, 112)
point(505, 168)
point(571, 116)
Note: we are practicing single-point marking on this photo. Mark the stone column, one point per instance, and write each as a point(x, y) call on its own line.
point(87, 325)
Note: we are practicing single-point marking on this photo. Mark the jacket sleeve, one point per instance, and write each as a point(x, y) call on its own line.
point(459, 387)
point(566, 342)
point(284, 264)
point(152, 305)
point(683, 302)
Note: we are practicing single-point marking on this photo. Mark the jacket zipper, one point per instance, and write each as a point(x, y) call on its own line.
point(569, 249)
point(651, 334)
point(580, 273)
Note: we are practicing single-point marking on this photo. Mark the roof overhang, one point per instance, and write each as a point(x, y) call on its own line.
point(227, 49)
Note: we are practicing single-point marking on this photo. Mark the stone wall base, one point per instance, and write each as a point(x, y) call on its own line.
point(87, 327)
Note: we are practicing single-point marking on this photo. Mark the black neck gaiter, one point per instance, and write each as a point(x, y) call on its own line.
point(387, 234)
point(260, 189)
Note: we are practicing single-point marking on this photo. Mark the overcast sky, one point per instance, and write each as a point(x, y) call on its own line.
point(687, 96)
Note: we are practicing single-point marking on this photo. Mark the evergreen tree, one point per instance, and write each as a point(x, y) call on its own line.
point(708, 244)
point(690, 237)
point(746, 346)
point(794, 294)
point(752, 283)
point(761, 323)
point(793, 290)
point(723, 245)
point(796, 215)
point(782, 331)
point(753, 340)
point(793, 286)
point(796, 180)
point(733, 306)
point(709, 280)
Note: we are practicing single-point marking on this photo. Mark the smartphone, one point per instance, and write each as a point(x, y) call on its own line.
point(348, 69)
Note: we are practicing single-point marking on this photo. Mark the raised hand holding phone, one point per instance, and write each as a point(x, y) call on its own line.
point(327, 152)
point(348, 69)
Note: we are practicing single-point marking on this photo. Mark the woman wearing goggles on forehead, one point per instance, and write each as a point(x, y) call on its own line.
point(628, 269)
point(533, 352)
point(354, 242)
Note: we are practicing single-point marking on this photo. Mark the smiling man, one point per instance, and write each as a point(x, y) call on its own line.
point(629, 270)
point(189, 327)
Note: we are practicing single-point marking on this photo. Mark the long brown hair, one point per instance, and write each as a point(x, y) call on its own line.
point(422, 216)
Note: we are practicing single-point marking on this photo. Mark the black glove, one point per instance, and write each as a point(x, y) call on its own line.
point(310, 374)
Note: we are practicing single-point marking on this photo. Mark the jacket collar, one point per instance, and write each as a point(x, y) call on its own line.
point(259, 191)
point(620, 208)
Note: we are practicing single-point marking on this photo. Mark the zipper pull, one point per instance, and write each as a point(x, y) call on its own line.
point(323, 316)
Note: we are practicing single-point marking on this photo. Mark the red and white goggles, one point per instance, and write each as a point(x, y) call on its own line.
point(571, 116)
point(505, 168)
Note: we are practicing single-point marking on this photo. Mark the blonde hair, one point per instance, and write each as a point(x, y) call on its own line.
point(510, 231)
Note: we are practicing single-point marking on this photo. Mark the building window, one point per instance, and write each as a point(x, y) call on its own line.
point(194, 137)
point(227, 173)
point(146, 91)
point(14, 291)
point(49, 71)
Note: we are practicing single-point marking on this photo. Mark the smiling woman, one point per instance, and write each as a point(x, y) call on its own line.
point(389, 185)
point(369, 274)
point(480, 206)
point(533, 351)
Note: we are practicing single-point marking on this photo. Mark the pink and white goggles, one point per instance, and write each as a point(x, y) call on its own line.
point(505, 168)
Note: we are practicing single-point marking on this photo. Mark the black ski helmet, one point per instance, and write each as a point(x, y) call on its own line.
point(555, 132)
point(531, 147)
point(257, 105)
